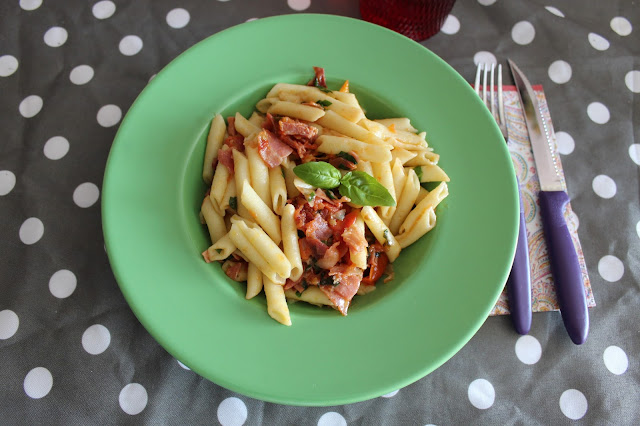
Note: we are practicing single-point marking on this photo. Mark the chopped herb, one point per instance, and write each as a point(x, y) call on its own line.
point(418, 171)
point(298, 294)
point(312, 197)
point(282, 170)
point(219, 251)
point(330, 194)
point(323, 89)
point(304, 284)
point(386, 236)
point(347, 157)
point(328, 281)
point(233, 203)
point(323, 103)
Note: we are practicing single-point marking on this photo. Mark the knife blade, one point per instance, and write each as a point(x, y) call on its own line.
point(563, 257)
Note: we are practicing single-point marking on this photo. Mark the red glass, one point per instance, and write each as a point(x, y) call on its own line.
point(416, 19)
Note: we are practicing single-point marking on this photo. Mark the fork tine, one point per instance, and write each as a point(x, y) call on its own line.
point(484, 85)
point(493, 93)
point(477, 83)
point(500, 99)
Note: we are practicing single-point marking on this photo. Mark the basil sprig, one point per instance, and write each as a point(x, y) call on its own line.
point(362, 188)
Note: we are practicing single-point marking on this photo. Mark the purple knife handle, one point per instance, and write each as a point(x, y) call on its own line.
point(519, 281)
point(564, 265)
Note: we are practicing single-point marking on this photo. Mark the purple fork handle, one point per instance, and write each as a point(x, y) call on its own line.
point(519, 281)
point(564, 265)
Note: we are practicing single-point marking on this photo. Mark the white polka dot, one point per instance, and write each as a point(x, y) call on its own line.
point(481, 394)
point(30, 4)
point(638, 229)
point(528, 349)
point(598, 113)
point(62, 283)
point(56, 148)
point(82, 74)
point(560, 72)
point(632, 80)
point(486, 2)
point(38, 383)
point(634, 153)
point(573, 404)
point(130, 45)
point(391, 394)
point(178, 18)
point(232, 412)
point(86, 195)
point(103, 9)
point(615, 359)
point(8, 65)
point(251, 19)
point(555, 11)
point(7, 182)
point(30, 106)
point(31, 230)
point(299, 4)
point(611, 268)
point(55, 36)
point(223, 1)
point(621, 25)
point(523, 32)
point(109, 115)
point(598, 42)
point(133, 398)
point(484, 57)
point(182, 365)
point(96, 339)
point(9, 323)
point(451, 25)
point(565, 142)
point(332, 419)
point(604, 186)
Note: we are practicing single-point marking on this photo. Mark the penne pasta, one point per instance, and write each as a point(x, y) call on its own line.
point(423, 193)
point(241, 174)
point(254, 281)
point(382, 173)
point(248, 250)
point(418, 227)
point(261, 213)
point(365, 166)
point(402, 154)
point(220, 249)
point(402, 123)
point(296, 110)
point(381, 232)
point(277, 307)
point(359, 257)
point(258, 172)
point(406, 201)
point(431, 200)
point(433, 173)
point(256, 119)
point(214, 142)
point(289, 177)
point(312, 295)
point(332, 120)
point(244, 126)
point(268, 249)
point(277, 189)
point(213, 220)
point(290, 242)
point(423, 158)
point(364, 151)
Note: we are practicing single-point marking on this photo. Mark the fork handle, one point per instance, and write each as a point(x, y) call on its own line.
point(519, 281)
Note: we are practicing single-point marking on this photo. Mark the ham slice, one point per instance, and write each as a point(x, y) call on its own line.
point(318, 228)
point(340, 295)
point(272, 150)
point(225, 157)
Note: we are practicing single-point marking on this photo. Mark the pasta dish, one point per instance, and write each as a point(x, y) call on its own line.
point(312, 201)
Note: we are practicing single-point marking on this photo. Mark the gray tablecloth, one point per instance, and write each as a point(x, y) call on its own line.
point(72, 352)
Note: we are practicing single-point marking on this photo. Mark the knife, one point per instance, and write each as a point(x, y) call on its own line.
point(563, 258)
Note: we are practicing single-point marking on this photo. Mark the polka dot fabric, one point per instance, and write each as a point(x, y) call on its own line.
point(69, 72)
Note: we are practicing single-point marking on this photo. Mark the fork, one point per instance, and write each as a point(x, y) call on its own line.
point(519, 281)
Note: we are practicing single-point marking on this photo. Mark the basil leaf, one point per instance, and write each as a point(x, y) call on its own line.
point(418, 171)
point(319, 174)
point(364, 190)
point(233, 203)
point(323, 103)
point(347, 157)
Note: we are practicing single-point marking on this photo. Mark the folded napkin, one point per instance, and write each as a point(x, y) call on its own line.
point(542, 286)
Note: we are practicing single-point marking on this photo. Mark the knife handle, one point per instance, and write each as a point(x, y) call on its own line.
point(564, 265)
point(519, 281)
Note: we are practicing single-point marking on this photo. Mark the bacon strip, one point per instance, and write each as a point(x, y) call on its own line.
point(319, 80)
point(272, 150)
point(349, 278)
point(225, 157)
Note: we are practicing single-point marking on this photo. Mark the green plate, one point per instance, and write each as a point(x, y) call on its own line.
point(445, 285)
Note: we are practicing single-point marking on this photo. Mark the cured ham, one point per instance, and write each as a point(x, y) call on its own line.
point(272, 150)
point(348, 279)
point(225, 157)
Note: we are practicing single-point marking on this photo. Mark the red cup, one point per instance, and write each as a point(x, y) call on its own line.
point(416, 19)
